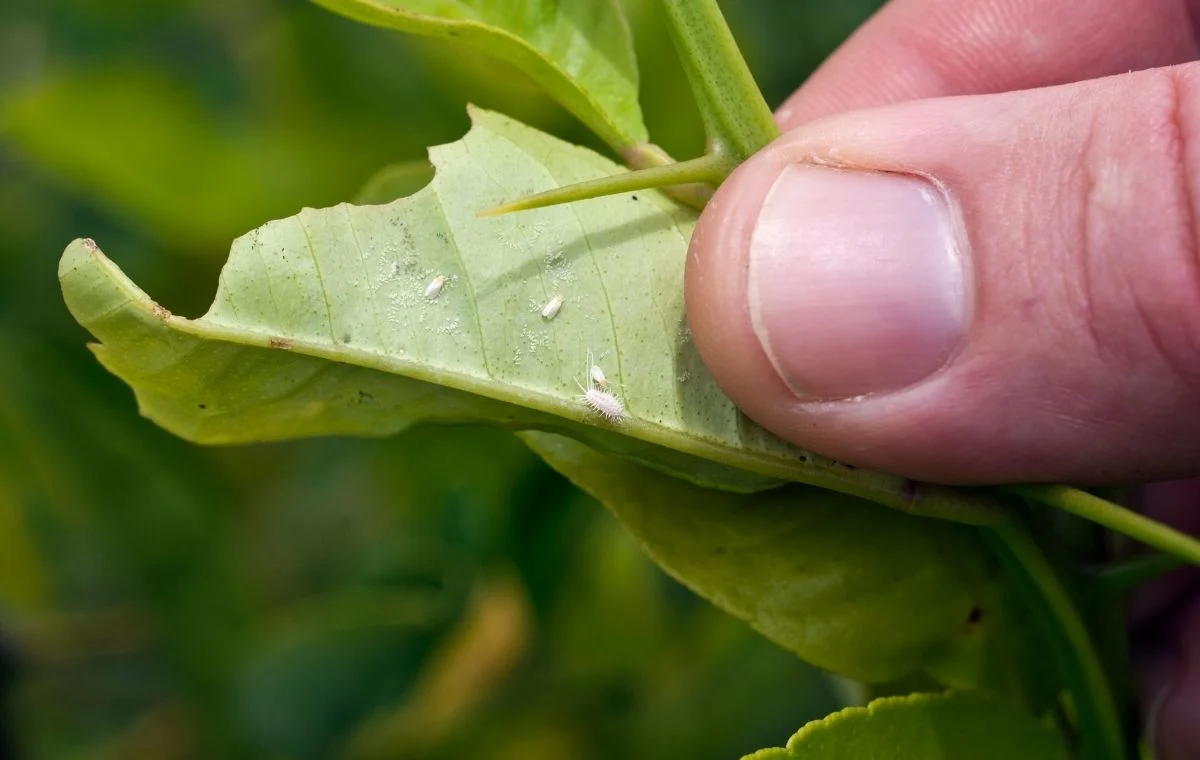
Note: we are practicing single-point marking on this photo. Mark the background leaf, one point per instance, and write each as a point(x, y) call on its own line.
point(580, 51)
point(834, 579)
point(951, 726)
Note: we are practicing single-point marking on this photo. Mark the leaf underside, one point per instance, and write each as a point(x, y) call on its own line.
point(321, 325)
point(853, 587)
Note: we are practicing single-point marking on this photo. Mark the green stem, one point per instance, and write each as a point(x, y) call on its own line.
point(650, 156)
point(737, 121)
point(1097, 714)
point(1114, 517)
point(736, 117)
point(707, 168)
point(1118, 579)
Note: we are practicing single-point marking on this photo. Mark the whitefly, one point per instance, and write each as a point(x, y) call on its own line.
point(434, 288)
point(551, 309)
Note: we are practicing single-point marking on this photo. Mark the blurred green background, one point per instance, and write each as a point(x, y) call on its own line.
point(441, 594)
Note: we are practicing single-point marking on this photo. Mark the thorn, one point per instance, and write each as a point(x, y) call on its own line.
point(704, 169)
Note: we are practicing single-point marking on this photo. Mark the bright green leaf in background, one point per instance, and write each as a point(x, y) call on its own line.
point(951, 726)
point(580, 51)
point(270, 109)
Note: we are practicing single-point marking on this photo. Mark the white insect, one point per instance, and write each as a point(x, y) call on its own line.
point(596, 375)
point(434, 288)
point(551, 309)
point(598, 400)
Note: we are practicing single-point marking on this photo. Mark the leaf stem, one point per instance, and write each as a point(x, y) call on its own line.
point(1098, 718)
point(736, 117)
point(650, 156)
point(1114, 517)
point(706, 168)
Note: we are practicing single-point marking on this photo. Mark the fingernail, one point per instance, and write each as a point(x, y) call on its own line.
point(857, 280)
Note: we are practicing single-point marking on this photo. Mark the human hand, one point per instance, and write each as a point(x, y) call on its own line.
point(1002, 287)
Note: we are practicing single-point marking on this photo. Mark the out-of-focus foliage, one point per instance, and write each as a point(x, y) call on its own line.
point(924, 727)
point(438, 594)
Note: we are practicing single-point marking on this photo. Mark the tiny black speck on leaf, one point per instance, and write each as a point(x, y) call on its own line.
point(635, 197)
point(202, 406)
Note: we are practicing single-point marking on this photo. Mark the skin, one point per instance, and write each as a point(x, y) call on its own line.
point(1065, 137)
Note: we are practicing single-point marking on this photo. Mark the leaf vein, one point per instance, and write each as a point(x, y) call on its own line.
point(312, 252)
point(268, 272)
point(367, 279)
point(466, 276)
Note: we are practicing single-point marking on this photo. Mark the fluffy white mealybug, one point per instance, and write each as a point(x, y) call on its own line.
point(551, 309)
point(598, 400)
point(434, 288)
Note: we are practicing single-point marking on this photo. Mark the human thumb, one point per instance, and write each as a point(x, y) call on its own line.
point(969, 290)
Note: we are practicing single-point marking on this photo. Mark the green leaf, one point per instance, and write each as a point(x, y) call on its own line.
point(580, 51)
point(950, 726)
point(321, 326)
point(156, 154)
point(849, 586)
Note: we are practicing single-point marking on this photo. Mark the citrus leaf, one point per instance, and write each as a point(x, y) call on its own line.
point(847, 585)
point(949, 726)
point(580, 51)
point(324, 323)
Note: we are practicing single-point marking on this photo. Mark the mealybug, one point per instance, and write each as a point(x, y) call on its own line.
point(434, 288)
point(600, 401)
point(550, 310)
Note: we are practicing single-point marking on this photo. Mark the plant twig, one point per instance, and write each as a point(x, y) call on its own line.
point(1115, 517)
point(736, 117)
